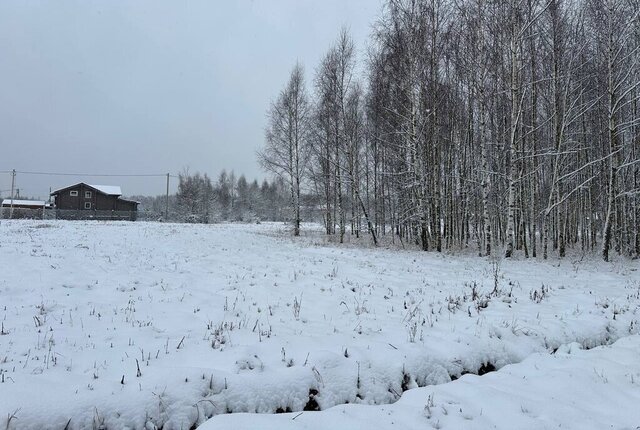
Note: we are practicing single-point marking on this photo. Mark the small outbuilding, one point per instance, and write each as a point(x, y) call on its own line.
point(23, 209)
point(84, 201)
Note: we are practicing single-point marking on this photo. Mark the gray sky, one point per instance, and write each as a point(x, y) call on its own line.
point(152, 86)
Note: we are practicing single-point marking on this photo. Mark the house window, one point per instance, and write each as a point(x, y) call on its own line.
point(87, 194)
point(87, 205)
point(74, 193)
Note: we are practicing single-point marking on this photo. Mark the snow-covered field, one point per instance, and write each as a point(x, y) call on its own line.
point(146, 325)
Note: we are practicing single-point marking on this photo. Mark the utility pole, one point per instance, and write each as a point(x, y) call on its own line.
point(13, 183)
point(166, 202)
point(44, 208)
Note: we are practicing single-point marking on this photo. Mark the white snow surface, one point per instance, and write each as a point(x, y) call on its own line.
point(16, 202)
point(573, 389)
point(234, 319)
point(111, 190)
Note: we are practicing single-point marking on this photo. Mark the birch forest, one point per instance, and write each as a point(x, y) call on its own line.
point(505, 127)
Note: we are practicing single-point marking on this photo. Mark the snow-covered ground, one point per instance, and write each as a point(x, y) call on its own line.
point(573, 389)
point(146, 325)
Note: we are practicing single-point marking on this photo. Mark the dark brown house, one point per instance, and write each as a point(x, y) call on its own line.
point(84, 201)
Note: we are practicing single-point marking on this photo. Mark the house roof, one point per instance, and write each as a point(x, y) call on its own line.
point(110, 190)
point(34, 203)
point(128, 200)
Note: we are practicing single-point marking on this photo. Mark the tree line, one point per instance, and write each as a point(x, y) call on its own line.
point(229, 198)
point(505, 126)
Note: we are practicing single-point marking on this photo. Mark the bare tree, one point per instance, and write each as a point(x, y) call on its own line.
point(514, 122)
point(286, 138)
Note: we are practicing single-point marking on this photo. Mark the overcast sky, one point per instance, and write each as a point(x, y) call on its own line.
point(152, 86)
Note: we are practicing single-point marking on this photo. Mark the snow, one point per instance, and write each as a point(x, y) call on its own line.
point(16, 202)
point(228, 319)
point(111, 190)
point(573, 389)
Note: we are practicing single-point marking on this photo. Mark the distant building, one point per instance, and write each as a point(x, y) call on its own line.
point(84, 201)
point(31, 209)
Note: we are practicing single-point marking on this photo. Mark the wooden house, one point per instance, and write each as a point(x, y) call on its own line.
point(84, 201)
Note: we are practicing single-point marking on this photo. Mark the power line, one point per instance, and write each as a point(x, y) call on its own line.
point(157, 175)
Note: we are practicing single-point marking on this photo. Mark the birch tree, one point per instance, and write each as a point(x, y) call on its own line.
point(512, 122)
point(286, 138)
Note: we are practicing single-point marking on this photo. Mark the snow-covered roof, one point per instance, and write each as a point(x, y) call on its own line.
point(112, 190)
point(129, 200)
point(16, 202)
